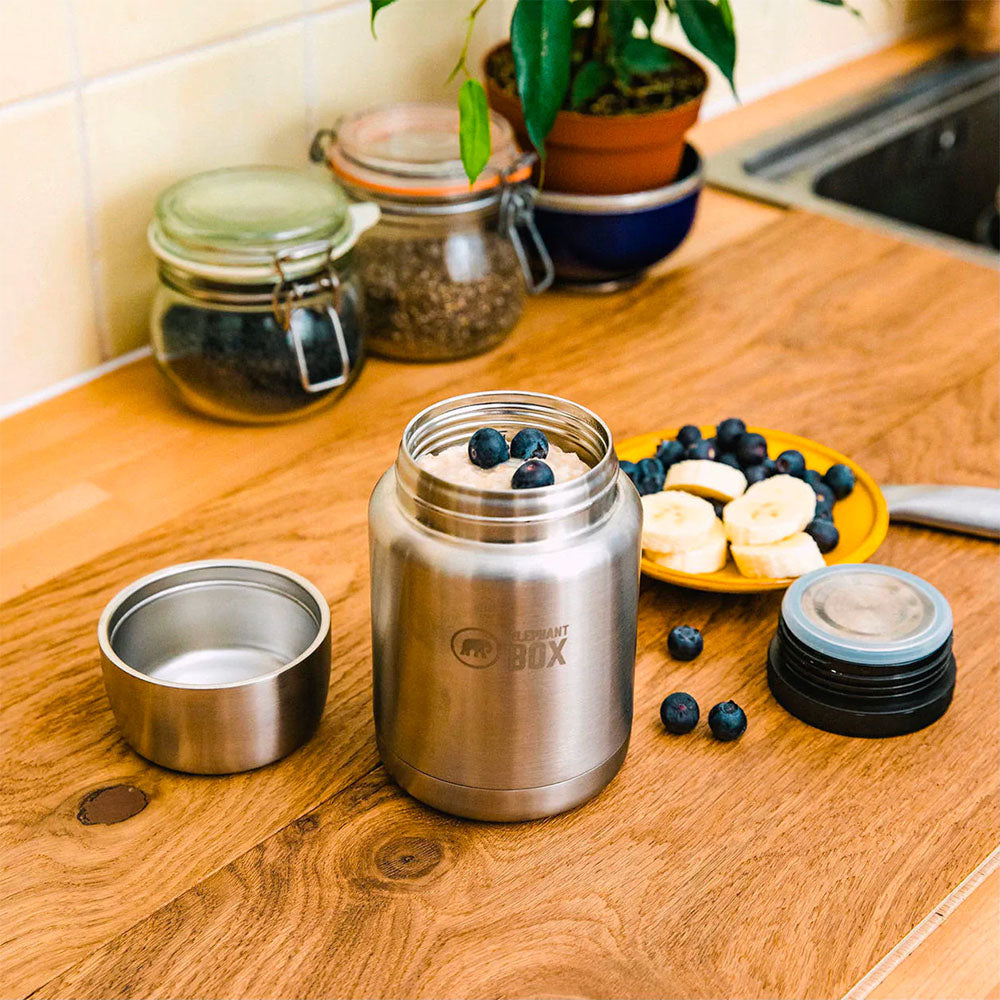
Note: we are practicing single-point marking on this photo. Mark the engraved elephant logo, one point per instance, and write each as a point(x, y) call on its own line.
point(475, 647)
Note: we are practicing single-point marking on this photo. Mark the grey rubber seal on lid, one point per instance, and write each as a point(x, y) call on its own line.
point(866, 613)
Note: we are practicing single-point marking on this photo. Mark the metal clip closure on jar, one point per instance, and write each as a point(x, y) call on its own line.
point(260, 312)
point(446, 269)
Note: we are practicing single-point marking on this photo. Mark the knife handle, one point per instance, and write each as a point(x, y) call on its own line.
point(971, 510)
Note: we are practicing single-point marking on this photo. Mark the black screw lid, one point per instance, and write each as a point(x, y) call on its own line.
point(863, 650)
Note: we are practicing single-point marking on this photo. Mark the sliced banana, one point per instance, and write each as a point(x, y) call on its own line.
point(791, 556)
point(769, 511)
point(706, 558)
point(706, 479)
point(675, 522)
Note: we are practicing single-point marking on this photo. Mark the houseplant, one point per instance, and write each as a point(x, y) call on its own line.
point(585, 83)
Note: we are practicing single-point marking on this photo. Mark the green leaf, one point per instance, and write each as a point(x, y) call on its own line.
point(643, 55)
point(592, 76)
point(709, 29)
point(621, 19)
point(727, 14)
point(645, 11)
point(541, 35)
point(473, 128)
point(376, 6)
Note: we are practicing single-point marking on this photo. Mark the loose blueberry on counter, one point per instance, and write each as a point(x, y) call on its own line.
point(729, 432)
point(727, 458)
point(703, 449)
point(651, 476)
point(755, 474)
point(791, 463)
point(630, 469)
point(488, 447)
point(751, 449)
point(840, 479)
point(727, 721)
point(688, 434)
point(669, 452)
point(824, 533)
point(679, 713)
point(685, 642)
point(529, 443)
point(532, 474)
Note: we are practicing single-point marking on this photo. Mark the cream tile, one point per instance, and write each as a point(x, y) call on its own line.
point(237, 103)
point(113, 34)
point(48, 331)
point(354, 70)
point(35, 52)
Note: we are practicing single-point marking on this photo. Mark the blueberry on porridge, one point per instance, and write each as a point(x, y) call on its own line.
point(489, 463)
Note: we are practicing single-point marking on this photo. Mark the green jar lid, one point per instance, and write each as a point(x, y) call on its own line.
point(235, 223)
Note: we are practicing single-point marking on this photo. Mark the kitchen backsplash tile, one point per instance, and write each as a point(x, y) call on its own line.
point(35, 48)
point(48, 331)
point(153, 91)
point(239, 104)
point(117, 33)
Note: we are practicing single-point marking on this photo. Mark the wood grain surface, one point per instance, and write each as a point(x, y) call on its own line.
point(787, 864)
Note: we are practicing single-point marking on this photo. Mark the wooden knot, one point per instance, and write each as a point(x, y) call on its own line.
point(408, 857)
point(114, 804)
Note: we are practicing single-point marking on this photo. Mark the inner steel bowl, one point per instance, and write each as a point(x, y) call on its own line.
point(216, 666)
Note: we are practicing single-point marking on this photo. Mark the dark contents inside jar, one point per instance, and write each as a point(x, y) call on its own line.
point(438, 298)
point(245, 361)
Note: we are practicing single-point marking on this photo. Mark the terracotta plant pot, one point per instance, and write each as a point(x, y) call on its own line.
point(596, 154)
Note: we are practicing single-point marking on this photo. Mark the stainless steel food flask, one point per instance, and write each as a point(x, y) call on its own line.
point(504, 622)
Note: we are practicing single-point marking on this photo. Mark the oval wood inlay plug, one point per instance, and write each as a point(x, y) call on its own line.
point(111, 805)
point(408, 857)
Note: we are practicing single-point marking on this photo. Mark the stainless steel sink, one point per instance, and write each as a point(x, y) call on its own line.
point(919, 157)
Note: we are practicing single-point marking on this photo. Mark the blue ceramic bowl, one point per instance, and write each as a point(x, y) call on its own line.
point(606, 241)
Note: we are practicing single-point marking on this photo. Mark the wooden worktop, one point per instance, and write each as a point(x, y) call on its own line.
point(785, 865)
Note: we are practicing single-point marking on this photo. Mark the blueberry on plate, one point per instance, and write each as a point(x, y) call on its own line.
point(755, 474)
point(685, 642)
point(651, 476)
point(727, 721)
point(703, 449)
point(688, 434)
point(729, 432)
point(770, 467)
point(840, 479)
point(824, 533)
point(529, 443)
point(824, 510)
point(679, 713)
point(813, 478)
point(532, 474)
point(751, 449)
point(728, 458)
point(718, 506)
point(629, 468)
point(669, 452)
point(791, 463)
point(488, 447)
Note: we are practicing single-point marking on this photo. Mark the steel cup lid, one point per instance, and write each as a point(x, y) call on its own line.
point(867, 614)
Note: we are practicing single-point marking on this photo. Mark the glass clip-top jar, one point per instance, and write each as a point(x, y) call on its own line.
point(447, 268)
point(259, 316)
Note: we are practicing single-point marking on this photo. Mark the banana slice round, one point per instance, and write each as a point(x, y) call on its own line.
point(676, 522)
point(706, 479)
point(792, 556)
point(769, 511)
point(707, 558)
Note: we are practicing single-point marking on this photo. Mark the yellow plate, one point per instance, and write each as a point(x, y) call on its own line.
point(862, 518)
